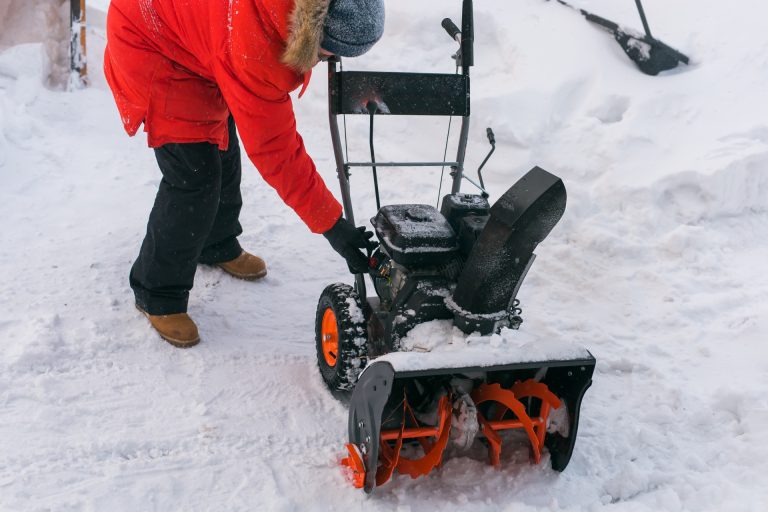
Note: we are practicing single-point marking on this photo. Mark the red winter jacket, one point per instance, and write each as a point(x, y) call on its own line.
point(181, 66)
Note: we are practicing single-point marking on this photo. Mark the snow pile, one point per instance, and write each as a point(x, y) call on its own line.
point(656, 268)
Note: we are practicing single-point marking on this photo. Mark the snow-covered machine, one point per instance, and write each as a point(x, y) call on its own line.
point(462, 264)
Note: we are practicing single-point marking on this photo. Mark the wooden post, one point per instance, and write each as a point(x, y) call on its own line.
point(78, 62)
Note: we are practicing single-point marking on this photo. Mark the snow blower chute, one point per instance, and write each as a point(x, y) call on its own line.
point(462, 265)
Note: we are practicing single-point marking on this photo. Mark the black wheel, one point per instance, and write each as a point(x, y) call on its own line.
point(341, 337)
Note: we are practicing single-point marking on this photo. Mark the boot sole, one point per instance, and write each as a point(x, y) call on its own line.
point(245, 277)
point(176, 343)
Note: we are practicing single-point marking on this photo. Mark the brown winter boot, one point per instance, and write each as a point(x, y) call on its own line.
point(179, 330)
point(246, 266)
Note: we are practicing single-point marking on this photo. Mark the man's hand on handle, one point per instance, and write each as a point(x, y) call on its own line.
point(348, 241)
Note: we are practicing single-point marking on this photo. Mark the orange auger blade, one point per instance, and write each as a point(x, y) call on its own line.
point(390, 456)
point(433, 452)
point(536, 428)
point(531, 388)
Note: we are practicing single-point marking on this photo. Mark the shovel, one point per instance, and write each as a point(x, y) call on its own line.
point(649, 54)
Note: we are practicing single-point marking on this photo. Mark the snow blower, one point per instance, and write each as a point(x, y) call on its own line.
point(462, 265)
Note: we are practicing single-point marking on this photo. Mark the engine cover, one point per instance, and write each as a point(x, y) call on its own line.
point(415, 235)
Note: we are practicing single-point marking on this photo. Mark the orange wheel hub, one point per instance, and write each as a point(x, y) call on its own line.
point(330, 338)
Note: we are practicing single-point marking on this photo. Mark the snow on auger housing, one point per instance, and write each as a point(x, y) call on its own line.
point(464, 263)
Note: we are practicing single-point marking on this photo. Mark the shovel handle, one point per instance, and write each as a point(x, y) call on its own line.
point(643, 18)
point(598, 20)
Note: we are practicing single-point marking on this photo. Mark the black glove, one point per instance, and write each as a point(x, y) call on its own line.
point(347, 240)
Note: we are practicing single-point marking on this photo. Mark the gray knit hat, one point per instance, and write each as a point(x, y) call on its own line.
point(353, 26)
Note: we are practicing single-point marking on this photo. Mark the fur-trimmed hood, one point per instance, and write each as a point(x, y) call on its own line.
point(305, 34)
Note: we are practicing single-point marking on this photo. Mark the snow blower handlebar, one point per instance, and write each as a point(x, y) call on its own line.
point(465, 37)
point(452, 29)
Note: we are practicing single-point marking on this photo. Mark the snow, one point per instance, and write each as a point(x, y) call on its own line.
point(438, 344)
point(656, 268)
point(638, 44)
point(355, 313)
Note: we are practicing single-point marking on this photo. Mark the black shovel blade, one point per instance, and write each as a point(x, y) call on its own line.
point(649, 54)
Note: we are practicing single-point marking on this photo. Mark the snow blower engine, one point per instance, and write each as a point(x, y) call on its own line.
point(463, 265)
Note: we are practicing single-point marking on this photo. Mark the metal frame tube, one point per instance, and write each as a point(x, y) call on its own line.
point(341, 169)
point(338, 152)
point(401, 164)
point(458, 170)
point(467, 61)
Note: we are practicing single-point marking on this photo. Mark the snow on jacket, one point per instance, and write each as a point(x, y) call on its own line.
point(181, 66)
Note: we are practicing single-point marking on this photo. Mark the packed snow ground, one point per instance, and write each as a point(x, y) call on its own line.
point(657, 268)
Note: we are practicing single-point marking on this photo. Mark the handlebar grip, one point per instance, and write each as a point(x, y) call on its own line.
point(451, 28)
point(491, 136)
point(467, 35)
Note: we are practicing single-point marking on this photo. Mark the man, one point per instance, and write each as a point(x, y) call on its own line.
point(189, 70)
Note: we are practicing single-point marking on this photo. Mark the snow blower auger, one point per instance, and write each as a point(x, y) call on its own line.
point(461, 266)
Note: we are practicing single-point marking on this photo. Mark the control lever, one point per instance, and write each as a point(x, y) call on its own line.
point(492, 140)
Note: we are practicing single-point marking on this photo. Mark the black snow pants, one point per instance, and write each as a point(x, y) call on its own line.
point(194, 220)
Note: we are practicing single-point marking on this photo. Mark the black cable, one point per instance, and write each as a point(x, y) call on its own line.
point(344, 118)
point(445, 155)
point(373, 108)
point(346, 147)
